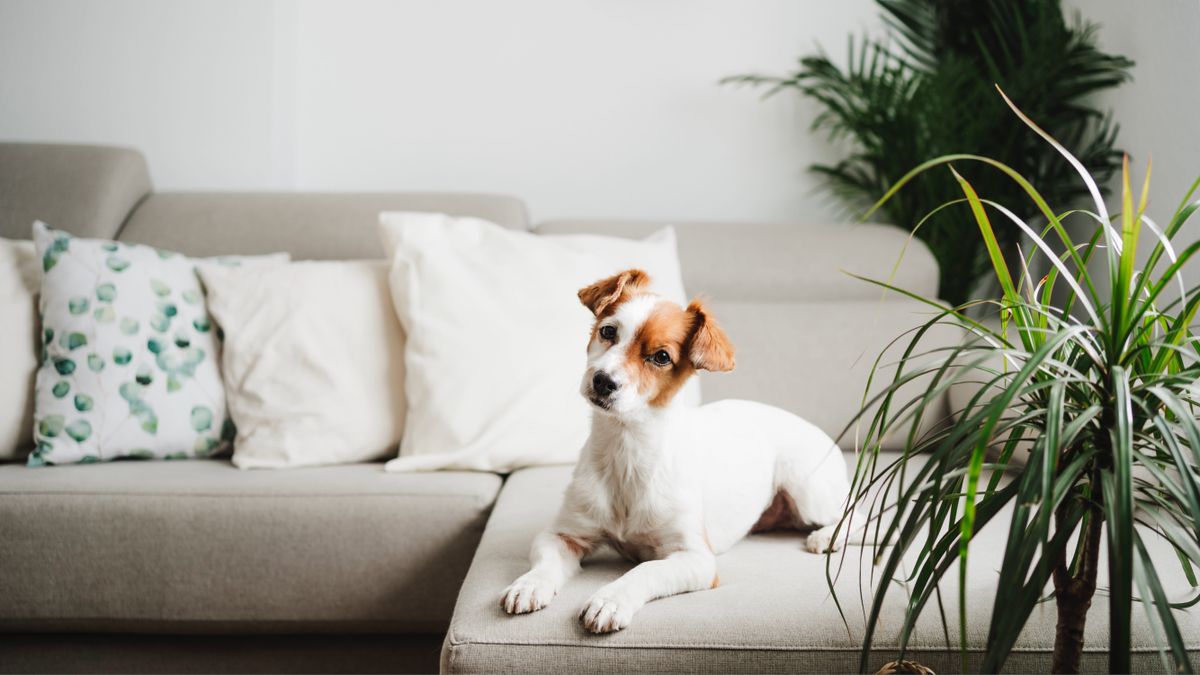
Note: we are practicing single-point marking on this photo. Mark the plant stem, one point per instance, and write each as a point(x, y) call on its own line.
point(1073, 592)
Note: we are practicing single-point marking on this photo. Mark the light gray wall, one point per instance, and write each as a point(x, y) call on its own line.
point(582, 107)
point(1158, 110)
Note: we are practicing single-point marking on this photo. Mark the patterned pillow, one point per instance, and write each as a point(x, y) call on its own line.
point(129, 363)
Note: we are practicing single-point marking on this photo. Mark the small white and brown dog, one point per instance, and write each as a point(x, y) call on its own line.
point(667, 486)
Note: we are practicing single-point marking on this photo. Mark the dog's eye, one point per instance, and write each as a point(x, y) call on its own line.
point(661, 358)
point(608, 333)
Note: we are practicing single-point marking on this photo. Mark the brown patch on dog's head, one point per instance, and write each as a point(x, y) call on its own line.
point(671, 345)
point(603, 296)
point(709, 347)
point(665, 331)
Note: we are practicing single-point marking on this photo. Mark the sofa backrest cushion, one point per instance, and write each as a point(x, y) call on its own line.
point(86, 190)
point(806, 333)
point(772, 263)
point(310, 226)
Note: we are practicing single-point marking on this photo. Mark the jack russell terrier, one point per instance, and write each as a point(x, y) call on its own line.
point(667, 486)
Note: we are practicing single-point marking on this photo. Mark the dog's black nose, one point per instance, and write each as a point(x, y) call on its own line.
point(602, 384)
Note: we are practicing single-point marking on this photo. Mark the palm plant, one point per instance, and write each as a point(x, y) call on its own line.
point(1102, 388)
point(924, 90)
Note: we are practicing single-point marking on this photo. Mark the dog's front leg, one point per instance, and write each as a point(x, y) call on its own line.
point(555, 557)
point(612, 607)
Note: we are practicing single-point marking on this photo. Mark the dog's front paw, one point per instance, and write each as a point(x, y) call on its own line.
point(528, 593)
point(821, 541)
point(607, 613)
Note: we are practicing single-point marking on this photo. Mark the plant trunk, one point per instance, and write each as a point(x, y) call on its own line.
point(1073, 593)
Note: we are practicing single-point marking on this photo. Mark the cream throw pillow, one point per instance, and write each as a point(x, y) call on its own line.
point(497, 338)
point(19, 343)
point(313, 362)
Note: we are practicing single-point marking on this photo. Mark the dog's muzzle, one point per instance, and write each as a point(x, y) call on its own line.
point(603, 388)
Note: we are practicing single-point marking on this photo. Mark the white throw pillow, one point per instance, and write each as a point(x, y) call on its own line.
point(131, 355)
point(313, 362)
point(497, 338)
point(19, 280)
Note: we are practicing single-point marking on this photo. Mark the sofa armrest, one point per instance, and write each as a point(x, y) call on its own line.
point(87, 190)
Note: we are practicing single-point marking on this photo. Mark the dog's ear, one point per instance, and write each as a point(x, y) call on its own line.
point(709, 347)
point(602, 294)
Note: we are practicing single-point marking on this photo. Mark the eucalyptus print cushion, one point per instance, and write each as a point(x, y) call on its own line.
point(130, 361)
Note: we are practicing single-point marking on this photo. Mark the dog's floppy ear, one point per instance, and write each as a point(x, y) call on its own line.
point(709, 347)
point(602, 294)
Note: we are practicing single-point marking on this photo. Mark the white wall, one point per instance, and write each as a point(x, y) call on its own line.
point(582, 107)
point(1158, 109)
point(182, 81)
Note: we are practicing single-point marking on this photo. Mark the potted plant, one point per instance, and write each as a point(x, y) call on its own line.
point(1095, 370)
point(924, 90)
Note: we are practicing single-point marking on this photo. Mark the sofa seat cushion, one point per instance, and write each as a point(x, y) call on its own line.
point(772, 612)
point(199, 546)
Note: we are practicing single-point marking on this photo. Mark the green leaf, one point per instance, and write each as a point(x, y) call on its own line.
point(202, 418)
point(47, 336)
point(202, 324)
point(228, 430)
point(78, 305)
point(160, 288)
point(61, 388)
point(105, 314)
point(38, 456)
point(193, 297)
point(182, 340)
point(129, 326)
point(95, 363)
point(193, 356)
point(49, 260)
point(121, 356)
point(131, 392)
point(116, 263)
point(173, 384)
point(205, 445)
point(64, 366)
point(160, 323)
point(155, 346)
point(106, 292)
point(83, 402)
point(110, 246)
point(71, 341)
point(144, 376)
point(89, 459)
point(167, 309)
point(50, 425)
point(80, 430)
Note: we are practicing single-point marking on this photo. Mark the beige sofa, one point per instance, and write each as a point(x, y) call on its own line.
point(197, 566)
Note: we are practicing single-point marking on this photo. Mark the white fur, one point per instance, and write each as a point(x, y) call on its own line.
point(671, 487)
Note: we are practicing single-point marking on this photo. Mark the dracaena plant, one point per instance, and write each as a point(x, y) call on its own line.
point(1093, 373)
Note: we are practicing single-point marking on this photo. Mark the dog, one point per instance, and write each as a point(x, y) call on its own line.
point(666, 486)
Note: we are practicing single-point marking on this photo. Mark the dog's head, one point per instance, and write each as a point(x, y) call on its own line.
point(644, 347)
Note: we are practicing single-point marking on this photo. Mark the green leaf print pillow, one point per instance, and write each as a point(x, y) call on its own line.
point(130, 361)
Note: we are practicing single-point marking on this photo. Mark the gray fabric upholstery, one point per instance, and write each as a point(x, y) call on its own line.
point(387, 653)
point(771, 263)
point(814, 358)
point(84, 189)
point(772, 612)
point(199, 546)
point(307, 225)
